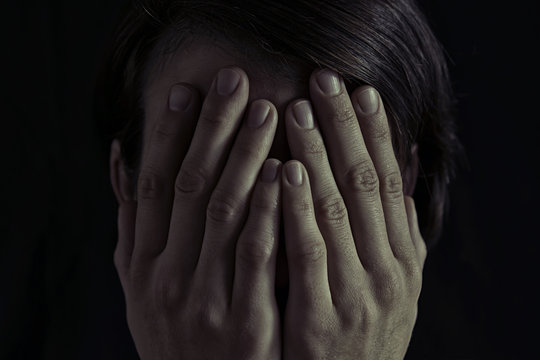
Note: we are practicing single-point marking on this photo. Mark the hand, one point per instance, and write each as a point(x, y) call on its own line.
point(354, 249)
point(198, 267)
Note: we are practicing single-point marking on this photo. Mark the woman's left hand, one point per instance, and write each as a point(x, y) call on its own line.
point(354, 248)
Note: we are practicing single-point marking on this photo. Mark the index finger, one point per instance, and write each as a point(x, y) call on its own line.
point(159, 166)
point(203, 165)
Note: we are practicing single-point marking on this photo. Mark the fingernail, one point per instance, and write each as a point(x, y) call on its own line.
point(294, 174)
point(368, 101)
point(227, 81)
point(269, 171)
point(303, 115)
point(328, 81)
point(257, 114)
point(179, 98)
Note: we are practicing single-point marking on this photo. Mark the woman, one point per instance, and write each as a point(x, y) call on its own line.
point(265, 156)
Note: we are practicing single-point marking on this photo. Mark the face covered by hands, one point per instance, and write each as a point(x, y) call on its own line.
point(197, 250)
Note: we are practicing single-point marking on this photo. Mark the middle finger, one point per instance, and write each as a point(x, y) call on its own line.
point(307, 146)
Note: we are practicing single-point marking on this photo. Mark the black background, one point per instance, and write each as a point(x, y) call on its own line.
point(60, 297)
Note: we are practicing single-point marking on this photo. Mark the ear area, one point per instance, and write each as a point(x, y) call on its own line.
point(411, 173)
point(119, 179)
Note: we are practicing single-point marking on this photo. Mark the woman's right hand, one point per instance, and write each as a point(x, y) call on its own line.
point(196, 253)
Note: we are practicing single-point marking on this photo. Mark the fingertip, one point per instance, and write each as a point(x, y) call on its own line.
point(367, 102)
point(294, 174)
point(235, 81)
point(272, 115)
point(270, 171)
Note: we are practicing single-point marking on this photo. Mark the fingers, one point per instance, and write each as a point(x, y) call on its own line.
point(372, 118)
point(307, 146)
point(228, 206)
point(159, 167)
point(256, 250)
point(353, 168)
point(218, 122)
point(419, 243)
point(306, 250)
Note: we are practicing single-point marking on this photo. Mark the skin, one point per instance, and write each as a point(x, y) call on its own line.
point(203, 243)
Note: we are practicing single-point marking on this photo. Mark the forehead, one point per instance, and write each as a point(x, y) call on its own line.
point(199, 58)
point(198, 61)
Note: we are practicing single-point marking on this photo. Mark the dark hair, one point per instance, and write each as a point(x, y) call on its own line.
point(387, 44)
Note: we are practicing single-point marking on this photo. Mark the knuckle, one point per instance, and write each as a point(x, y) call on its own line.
point(332, 209)
point(309, 253)
point(345, 117)
point(414, 278)
point(370, 317)
point(315, 149)
point(363, 317)
point(303, 208)
point(321, 328)
point(409, 260)
point(150, 184)
point(190, 180)
point(222, 207)
point(392, 185)
point(208, 318)
point(362, 178)
point(219, 117)
point(391, 289)
point(411, 265)
point(249, 150)
point(257, 250)
point(164, 131)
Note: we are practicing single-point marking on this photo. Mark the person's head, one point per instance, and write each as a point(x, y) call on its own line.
point(384, 43)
